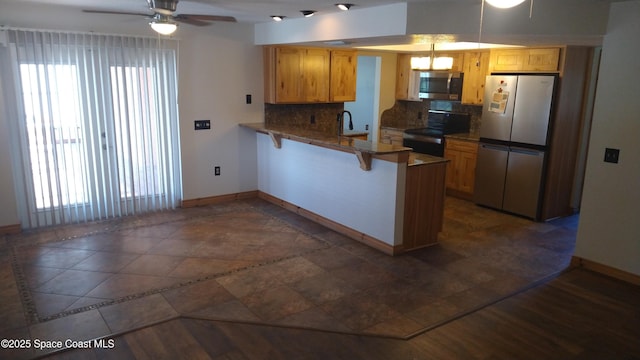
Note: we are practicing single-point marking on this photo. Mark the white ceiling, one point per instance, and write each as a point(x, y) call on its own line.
point(245, 11)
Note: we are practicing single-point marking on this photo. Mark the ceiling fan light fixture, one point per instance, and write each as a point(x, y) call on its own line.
point(162, 25)
point(277, 17)
point(344, 7)
point(504, 4)
point(308, 13)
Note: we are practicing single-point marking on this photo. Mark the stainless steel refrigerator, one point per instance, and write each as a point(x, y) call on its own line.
point(514, 133)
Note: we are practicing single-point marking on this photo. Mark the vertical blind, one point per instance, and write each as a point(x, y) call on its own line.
point(97, 125)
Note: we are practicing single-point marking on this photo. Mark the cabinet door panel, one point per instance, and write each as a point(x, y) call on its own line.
point(476, 66)
point(403, 76)
point(452, 168)
point(289, 72)
point(344, 66)
point(507, 60)
point(467, 171)
point(315, 75)
point(542, 59)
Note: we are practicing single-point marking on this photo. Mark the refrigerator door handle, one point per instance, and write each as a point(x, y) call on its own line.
point(494, 147)
point(526, 151)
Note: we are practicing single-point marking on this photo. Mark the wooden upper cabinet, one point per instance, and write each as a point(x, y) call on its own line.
point(309, 75)
point(403, 77)
point(475, 69)
point(288, 75)
point(315, 73)
point(532, 59)
point(542, 59)
point(344, 65)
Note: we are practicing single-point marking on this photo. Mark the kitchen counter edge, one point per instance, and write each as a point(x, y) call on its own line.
point(348, 145)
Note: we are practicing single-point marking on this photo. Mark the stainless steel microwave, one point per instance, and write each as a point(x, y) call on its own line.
point(437, 85)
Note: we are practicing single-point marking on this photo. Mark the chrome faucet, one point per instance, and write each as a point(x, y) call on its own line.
point(341, 122)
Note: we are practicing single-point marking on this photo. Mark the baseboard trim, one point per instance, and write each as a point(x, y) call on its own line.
point(219, 199)
point(606, 270)
point(11, 229)
point(344, 230)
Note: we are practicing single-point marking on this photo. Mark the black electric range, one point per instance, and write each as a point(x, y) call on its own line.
point(430, 139)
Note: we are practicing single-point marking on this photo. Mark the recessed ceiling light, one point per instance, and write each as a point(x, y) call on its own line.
point(344, 7)
point(277, 17)
point(308, 13)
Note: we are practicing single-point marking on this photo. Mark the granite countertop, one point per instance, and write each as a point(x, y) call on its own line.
point(346, 143)
point(424, 159)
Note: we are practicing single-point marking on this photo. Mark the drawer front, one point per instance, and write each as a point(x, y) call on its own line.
point(460, 145)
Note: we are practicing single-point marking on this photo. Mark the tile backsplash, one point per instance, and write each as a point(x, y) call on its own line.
point(403, 115)
point(413, 114)
point(299, 116)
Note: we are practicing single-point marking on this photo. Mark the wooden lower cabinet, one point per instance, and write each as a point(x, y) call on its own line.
point(424, 205)
point(461, 168)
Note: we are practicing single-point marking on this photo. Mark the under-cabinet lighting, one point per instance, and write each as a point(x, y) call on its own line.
point(442, 63)
point(421, 63)
point(425, 63)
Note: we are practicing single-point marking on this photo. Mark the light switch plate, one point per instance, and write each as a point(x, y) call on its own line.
point(202, 124)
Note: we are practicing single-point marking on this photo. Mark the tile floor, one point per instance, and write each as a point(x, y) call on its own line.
point(252, 261)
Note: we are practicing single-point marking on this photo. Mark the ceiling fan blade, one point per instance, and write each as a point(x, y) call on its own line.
point(208, 17)
point(190, 21)
point(115, 12)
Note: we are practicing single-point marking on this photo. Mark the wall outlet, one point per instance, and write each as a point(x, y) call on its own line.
point(247, 98)
point(216, 171)
point(611, 155)
point(312, 119)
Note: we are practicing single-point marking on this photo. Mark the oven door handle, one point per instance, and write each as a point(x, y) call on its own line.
point(423, 138)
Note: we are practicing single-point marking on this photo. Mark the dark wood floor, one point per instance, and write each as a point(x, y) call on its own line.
point(579, 315)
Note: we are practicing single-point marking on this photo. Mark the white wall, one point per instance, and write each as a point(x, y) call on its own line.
point(367, 90)
point(216, 72)
point(609, 230)
point(218, 66)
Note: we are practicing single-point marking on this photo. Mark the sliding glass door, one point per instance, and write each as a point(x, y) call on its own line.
point(99, 136)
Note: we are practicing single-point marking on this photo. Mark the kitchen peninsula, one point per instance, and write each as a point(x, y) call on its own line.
point(379, 194)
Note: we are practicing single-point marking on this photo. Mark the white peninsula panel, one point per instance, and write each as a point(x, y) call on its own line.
point(331, 184)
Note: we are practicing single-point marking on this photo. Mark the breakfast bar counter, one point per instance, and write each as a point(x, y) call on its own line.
point(392, 202)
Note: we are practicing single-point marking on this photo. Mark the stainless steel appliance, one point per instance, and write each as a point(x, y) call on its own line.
point(514, 134)
point(437, 85)
point(430, 140)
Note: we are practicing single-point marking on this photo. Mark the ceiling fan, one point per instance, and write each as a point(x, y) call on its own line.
point(163, 19)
